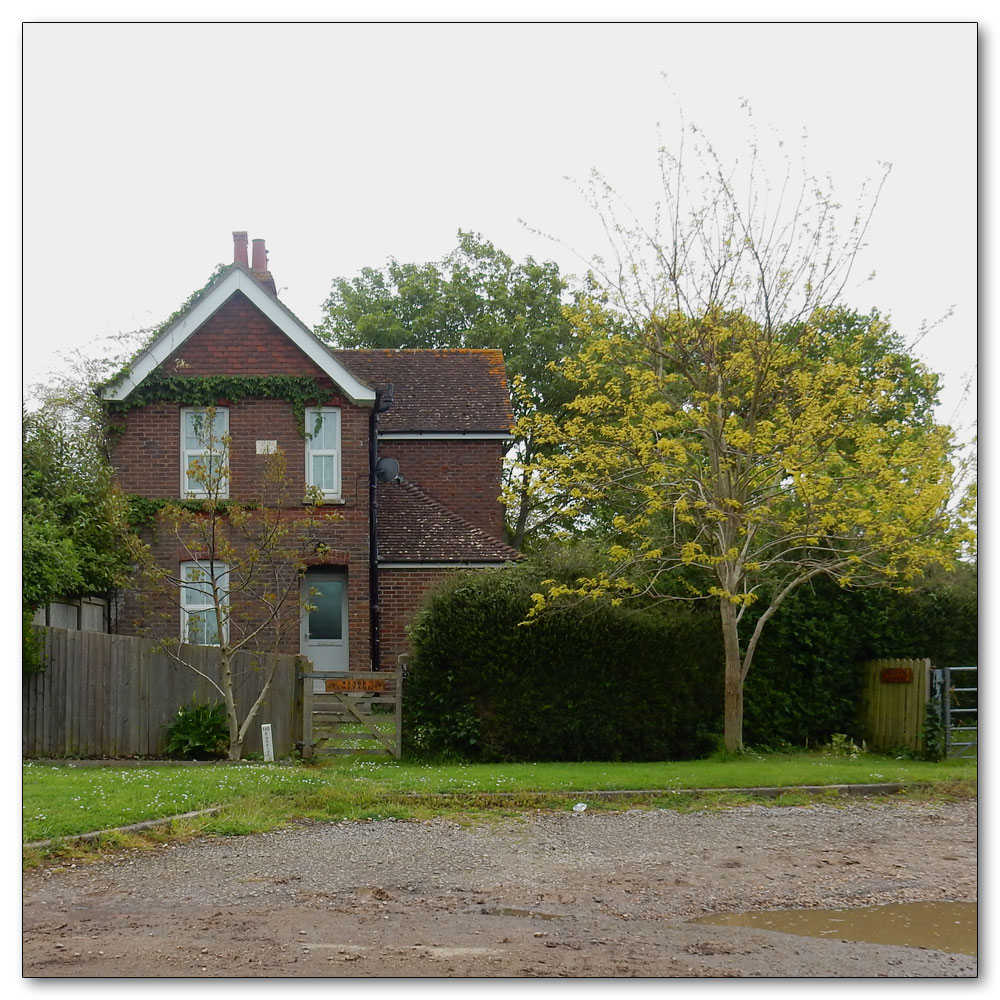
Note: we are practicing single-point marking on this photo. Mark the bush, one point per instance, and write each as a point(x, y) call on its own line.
point(199, 732)
point(32, 651)
point(584, 682)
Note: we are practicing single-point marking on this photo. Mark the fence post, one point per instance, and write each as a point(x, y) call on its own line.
point(307, 713)
point(399, 710)
point(946, 703)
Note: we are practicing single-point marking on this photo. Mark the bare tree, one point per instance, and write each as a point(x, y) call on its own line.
point(237, 588)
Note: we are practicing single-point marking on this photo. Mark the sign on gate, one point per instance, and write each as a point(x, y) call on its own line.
point(896, 675)
point(355, 684)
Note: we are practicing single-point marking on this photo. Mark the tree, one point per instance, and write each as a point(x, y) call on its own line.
point(746, 431)
point(237, 587)
point(74, 520)
point(477, 297)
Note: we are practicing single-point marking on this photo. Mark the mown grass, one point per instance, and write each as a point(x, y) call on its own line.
point(60, 801)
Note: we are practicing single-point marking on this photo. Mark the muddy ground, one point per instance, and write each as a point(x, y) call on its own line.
point(589, 894)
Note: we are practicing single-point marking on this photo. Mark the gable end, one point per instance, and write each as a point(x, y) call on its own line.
point(238, 280)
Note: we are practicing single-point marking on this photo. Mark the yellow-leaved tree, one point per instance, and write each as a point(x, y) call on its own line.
point(738, 431)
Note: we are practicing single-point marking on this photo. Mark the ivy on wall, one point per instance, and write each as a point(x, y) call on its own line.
point(142, 510)
point(208, 390)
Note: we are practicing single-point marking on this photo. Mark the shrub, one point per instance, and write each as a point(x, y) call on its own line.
point(805, 681)
point(32, 651)
point(199, 732)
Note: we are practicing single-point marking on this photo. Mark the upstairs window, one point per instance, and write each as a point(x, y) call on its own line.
point(323, 450)
point(204, 452)
point(205, 588)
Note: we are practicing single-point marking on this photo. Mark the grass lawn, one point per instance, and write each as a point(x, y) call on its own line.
point(64, 800)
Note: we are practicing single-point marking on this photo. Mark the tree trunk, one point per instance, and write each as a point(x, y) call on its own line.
point(733, 715)
point(515, 534)
point(226, 678)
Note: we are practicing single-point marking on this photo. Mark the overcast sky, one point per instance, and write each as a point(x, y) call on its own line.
point(341, 145)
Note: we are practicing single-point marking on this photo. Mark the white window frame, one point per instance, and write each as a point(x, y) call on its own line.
point(195, 601)
point(189, 454)
point(327, 413)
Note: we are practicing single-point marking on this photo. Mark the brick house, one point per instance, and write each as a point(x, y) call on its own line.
point(408, 441)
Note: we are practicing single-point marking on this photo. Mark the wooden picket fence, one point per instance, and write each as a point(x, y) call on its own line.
point(104, 695)
point(895, 695)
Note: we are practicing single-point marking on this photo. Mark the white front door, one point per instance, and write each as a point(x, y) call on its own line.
point(324, 626)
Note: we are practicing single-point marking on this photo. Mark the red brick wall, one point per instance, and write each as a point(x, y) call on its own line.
point(402, 593)
point(240, 340)
point(147, 452)
point(343, 532)
point(464, 476)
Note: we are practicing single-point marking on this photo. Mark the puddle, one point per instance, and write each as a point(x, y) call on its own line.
point(457, 952)
point(947, 927)
point(513, 911)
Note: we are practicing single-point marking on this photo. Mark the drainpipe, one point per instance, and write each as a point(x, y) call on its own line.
point(383, 400)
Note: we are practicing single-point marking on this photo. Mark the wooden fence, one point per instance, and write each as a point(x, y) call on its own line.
point(895, 695)
point(104, 695)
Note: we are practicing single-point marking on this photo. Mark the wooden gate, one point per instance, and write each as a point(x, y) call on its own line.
point(895, 696)
point(360, 712)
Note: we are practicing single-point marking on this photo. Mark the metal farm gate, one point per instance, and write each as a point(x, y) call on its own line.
point(360, 712)
point(957, 691)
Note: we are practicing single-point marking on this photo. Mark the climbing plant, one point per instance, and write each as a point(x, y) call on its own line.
point(208, 390)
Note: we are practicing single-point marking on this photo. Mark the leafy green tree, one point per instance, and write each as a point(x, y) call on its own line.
point(745, 430)
point(477, 297)
point(74, 520)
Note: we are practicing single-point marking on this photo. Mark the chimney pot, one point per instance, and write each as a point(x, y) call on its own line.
point(259, 256)
point(240, 249)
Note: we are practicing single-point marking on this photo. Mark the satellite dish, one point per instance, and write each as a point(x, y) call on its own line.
point(387, 470)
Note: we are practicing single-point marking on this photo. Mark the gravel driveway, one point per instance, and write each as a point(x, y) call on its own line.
point(548, 894)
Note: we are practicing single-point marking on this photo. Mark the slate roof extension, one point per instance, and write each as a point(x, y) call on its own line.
point(413, 527)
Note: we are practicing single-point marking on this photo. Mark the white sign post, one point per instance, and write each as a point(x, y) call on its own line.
point(265, 738)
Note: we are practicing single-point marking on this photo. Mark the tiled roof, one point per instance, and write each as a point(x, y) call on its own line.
point(413, 527)
point(457, 391)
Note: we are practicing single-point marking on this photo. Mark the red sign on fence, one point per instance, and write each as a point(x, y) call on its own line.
point(896, 675)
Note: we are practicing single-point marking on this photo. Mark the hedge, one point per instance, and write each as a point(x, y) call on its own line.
point(589, 682)
point(594, 682)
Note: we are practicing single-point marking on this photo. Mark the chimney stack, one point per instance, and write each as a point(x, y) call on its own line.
point(240, 249)
point(259, 256)
point(259, 270)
